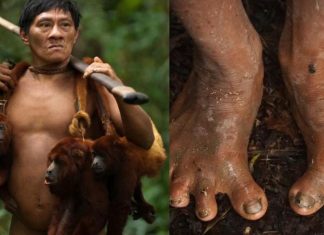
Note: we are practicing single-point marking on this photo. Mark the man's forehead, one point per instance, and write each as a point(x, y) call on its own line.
point(54, 14)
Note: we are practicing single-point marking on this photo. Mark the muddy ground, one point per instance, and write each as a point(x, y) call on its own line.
point(275, 143)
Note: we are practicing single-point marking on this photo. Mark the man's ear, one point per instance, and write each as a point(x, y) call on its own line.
point(24, 37)
point(76, 36)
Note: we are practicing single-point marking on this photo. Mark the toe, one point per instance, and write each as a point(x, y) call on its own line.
point(303, 204)
point(206, 207)
point(305, 197)
point(304, 201)
point(252, 207)
point(179, 192)
point(249, 201)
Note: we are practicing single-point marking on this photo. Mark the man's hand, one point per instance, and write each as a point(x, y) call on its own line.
point(7, 82)
point(98, 66)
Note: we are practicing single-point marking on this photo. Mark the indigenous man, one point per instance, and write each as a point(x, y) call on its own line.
point(43, 104)
point(218, 105)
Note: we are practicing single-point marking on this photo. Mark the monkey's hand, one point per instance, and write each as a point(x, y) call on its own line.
point(7, 80)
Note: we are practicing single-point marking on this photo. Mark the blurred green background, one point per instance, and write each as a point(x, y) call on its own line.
point(132, 35)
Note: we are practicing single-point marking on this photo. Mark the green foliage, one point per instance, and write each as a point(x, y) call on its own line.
point(4, 220)
point(132, 35)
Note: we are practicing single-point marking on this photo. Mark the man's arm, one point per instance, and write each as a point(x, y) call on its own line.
point(130, 120)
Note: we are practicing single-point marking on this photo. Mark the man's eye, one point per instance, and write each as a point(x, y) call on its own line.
point(66, 24)
point(44, 25)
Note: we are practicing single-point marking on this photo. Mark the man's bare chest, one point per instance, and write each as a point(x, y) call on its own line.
point(38, 106)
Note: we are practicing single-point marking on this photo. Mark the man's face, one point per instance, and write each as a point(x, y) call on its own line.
point(51, 37)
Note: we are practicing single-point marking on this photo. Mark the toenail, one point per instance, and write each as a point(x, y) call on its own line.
point(253, 207)
point(204, 213)
point(304, 201)
point(175, 201)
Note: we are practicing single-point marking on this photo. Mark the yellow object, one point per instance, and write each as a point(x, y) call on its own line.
point(155, 156)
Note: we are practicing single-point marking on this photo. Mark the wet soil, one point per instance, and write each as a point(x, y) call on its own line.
point(277, 153)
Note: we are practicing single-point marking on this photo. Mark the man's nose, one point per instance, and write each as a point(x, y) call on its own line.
point(55, 32)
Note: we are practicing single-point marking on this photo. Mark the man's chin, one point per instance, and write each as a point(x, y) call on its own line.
point(57, 59)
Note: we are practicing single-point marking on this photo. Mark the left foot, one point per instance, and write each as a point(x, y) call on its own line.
point(301, 57)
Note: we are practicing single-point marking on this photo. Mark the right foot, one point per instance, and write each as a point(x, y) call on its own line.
point(210, 126)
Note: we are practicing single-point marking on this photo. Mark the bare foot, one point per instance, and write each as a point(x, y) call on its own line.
point(209, 136)
point(212, 118)
point(302, 61)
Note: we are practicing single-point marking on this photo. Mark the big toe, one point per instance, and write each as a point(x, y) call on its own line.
point(304, 197)
point(252, 207)
point(249, 201)
point(303, 201)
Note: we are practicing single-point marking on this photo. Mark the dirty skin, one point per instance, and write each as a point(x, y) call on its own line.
point(212, 118)
point(301, 56)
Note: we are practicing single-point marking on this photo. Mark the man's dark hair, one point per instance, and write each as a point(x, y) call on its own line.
point(33, 8)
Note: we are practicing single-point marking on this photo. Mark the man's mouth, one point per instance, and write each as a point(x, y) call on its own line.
point(55, 47)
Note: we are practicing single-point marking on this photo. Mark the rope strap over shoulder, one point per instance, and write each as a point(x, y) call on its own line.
point(105, 118)
point(81, 120)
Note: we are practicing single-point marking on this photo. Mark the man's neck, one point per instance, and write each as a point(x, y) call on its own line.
point(48, 71)
point(54, 68)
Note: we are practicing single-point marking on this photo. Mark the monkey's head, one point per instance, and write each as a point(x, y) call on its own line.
point(107, 155)
point(66, 162)
point(99, 165)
